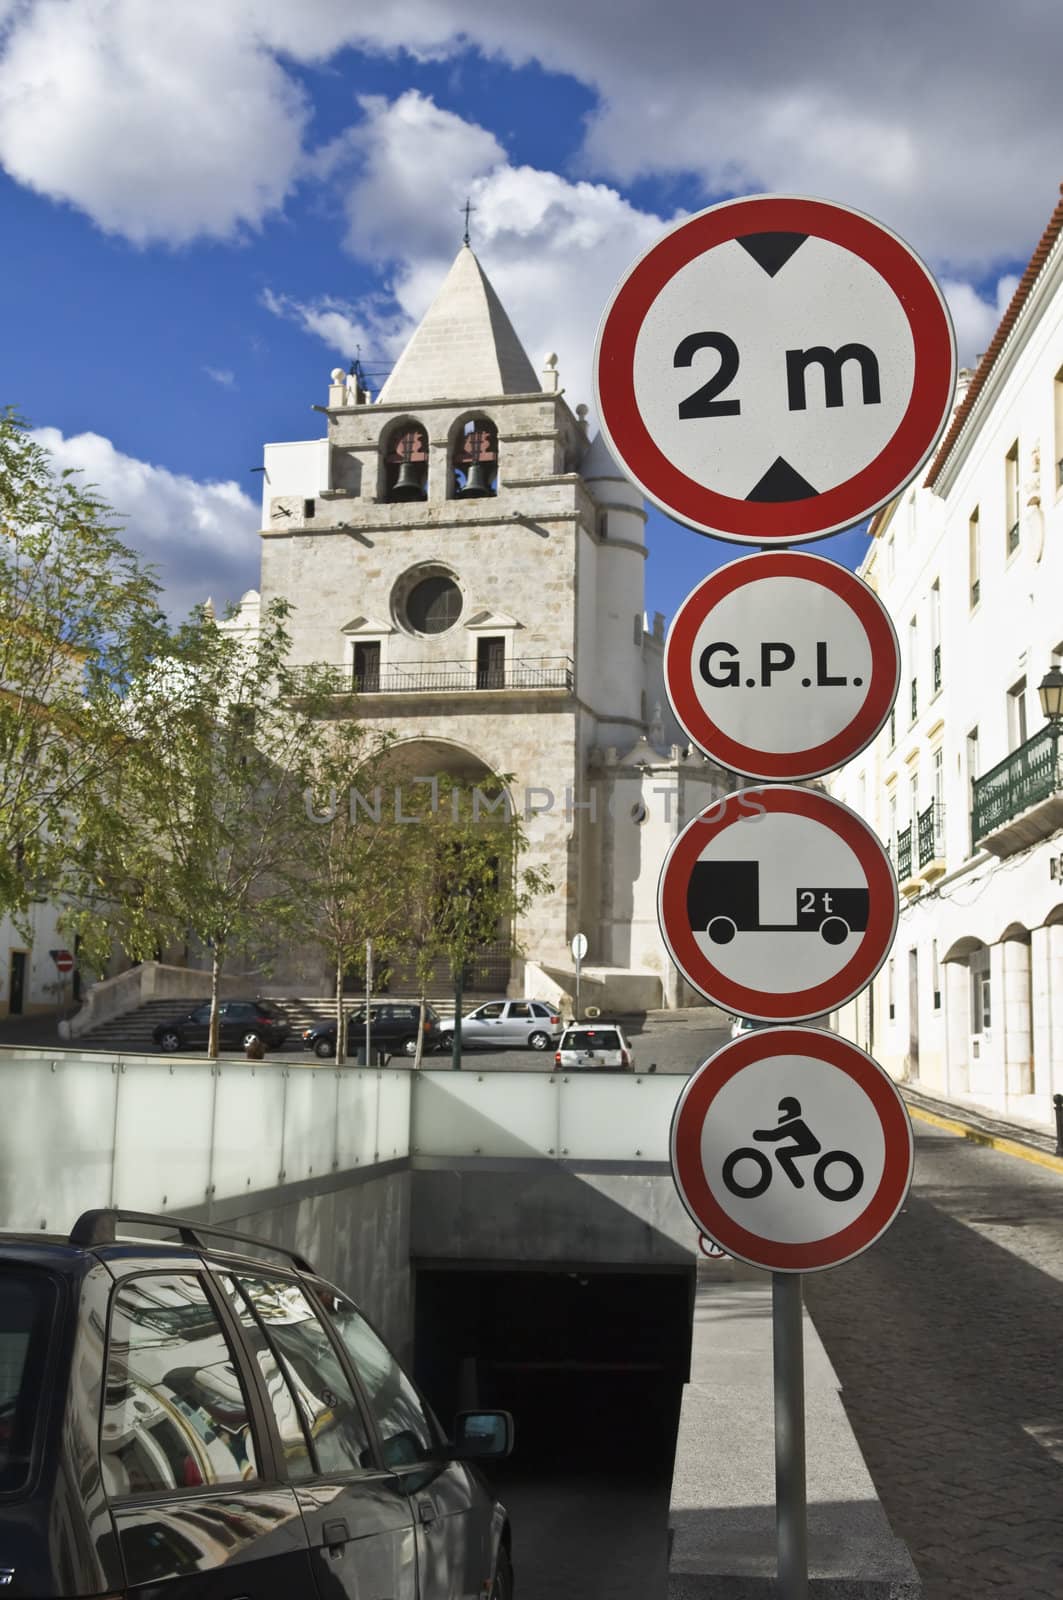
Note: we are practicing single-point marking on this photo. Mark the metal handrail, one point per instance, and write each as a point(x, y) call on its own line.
point(1024, 778)
point(904, 852)
point(932, 833)
point(937, 668)
point(533, 672)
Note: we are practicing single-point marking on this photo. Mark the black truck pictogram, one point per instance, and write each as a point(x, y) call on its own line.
point(723, 898)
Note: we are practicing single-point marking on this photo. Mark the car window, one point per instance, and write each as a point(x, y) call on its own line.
point(494, 1009)
point(27, 1303)
point(264, 1010)
point(520, 1008)
point(201, 1014)
point(592, 1039)
point(175, 1414)
point(338, 1433)
point(540, 1010)
point(406, 1433)
point(294, 1438)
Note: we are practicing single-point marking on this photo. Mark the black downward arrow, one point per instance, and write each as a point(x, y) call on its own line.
point(772, 250)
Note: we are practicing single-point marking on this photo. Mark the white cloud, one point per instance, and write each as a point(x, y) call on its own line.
point(223, 376)
point(333, 321)
point(167, 122)
point(201, 537)
point(975, 318)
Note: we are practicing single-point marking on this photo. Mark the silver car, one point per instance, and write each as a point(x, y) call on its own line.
point(528, 1024)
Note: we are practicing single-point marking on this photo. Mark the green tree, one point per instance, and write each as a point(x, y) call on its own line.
point(353, 856)
point(79, 614)
point(206, 828)
point(464, 885)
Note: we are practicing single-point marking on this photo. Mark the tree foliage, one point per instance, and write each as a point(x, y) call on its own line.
point(79, 614)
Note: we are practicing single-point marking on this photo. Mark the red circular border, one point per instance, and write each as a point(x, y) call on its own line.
point(848, 502)
point(799, 1004)
point(772, 765)
point(695, 1103)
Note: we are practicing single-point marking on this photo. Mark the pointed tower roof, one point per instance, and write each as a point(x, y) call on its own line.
point(465, 344)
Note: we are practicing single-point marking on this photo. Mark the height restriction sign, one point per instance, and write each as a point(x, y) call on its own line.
point(775, 369)
point(781, 666)
point(778, 903)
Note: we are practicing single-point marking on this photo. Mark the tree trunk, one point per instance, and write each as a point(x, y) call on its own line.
point(341, 1020)
point(215, 975)
point(455, 1046)
point(420, 1031)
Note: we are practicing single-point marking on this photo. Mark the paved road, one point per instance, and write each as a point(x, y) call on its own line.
point(946, 1337)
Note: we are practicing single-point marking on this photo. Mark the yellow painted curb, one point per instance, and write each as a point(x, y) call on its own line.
point(1009, 1147)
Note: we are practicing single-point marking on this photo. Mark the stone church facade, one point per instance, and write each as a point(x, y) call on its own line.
point(475, 565)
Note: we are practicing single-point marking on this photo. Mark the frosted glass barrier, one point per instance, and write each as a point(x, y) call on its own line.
point(617, 1117)
point(393, 1118)
point(56, 1137)
point(248, 1129)
point(309, 1122)
point(357, 1110)
point(162, 1144)
point(487, 1114)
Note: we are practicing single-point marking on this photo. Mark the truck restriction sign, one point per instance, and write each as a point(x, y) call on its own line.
point(778, 904)
point(791, 1149)
point(775, 369)
point(782, 666)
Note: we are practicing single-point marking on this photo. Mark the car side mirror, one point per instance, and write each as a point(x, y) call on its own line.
point(482, 1436)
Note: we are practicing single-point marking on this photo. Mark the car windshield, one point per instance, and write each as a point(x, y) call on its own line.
point(593, 1039)
point(27, 1301)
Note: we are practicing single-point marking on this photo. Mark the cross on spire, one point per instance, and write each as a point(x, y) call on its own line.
point(467, 208)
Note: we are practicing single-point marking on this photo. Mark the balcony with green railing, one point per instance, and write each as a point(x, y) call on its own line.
point(1019, 801)
point(904, 854)
point(931, 827)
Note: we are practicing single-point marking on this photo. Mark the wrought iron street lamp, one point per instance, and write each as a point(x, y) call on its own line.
point(1050, 693)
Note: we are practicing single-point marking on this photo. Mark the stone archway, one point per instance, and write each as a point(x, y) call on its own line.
point(963, 963)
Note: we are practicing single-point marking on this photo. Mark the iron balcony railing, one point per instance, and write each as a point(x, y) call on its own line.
point(534, 672)
point(915, 698)
point(937, 668)
point(904, 852)
point(1030, 774)
point(932, 833)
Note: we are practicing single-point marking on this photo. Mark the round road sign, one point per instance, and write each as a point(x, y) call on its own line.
point(777, 903)
point(782, 665)
point(791, 1149)
point(775, 369)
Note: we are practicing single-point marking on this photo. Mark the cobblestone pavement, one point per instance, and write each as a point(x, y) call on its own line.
point(946, 1340)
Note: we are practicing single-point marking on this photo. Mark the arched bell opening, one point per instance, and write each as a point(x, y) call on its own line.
point(406, 463)
point(474, 459)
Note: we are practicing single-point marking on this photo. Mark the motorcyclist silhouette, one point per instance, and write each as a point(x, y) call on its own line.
point(791, 1126)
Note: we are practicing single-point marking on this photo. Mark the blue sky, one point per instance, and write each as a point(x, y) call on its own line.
point(206, 207)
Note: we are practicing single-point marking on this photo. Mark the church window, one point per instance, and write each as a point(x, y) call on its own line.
point(474, 461)
point(490, 663)
point(308, 509)
point(406, 463)
point(433, 605)
point(367, 665)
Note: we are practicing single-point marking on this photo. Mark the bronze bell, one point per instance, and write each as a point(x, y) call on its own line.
point(477, 483)
point(408, 484)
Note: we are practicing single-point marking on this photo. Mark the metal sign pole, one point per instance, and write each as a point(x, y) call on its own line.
point(368, 994)
point(791, 1508)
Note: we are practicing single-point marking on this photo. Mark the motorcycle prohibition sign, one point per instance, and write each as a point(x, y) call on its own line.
point(793, 1127)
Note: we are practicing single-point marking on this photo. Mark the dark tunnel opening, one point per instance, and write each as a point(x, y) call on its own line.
point(591, 1363)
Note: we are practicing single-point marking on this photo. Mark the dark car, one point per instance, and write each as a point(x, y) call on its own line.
point(239, 1021)
point(392, 1027)
point(183, 1419)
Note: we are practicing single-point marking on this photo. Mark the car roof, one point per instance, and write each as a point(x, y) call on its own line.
point(110, 1233)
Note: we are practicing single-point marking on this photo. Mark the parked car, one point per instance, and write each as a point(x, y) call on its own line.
point(239, 1021)
point(183, 1418)
point(600, 1047)
point(392, 1027)
point(742, 1025)
point(529, 1024)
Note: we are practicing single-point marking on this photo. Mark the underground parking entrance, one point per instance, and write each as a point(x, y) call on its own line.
point(591, 1361)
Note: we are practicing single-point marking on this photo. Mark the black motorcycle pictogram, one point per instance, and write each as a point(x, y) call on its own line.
point(803, 1142)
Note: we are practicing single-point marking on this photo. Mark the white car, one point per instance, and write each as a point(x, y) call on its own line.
point(594, 1046)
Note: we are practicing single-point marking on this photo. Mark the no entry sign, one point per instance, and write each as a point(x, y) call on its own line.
point(778, 903)
point(775, 369)
point(791, 1149)
point(782, 666)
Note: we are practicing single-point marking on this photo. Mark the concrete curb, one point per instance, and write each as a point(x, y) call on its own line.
point(993, 1141)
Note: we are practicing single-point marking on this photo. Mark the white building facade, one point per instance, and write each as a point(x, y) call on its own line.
point(965, 784)
point(474, 565)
